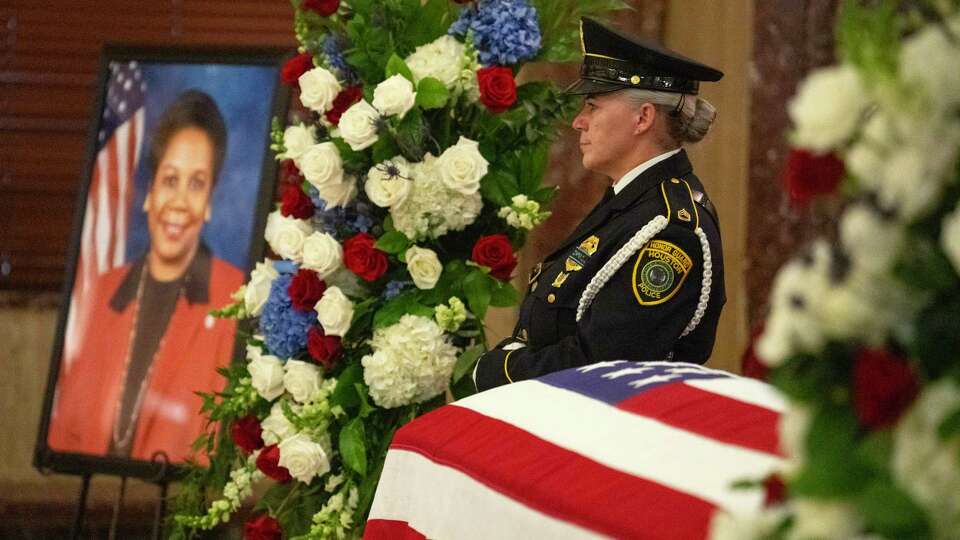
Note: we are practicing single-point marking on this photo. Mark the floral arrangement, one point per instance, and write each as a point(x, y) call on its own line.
point(411, 178)
point(863, 334)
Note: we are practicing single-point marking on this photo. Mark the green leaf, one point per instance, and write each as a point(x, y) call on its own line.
point(385, 148)
point(409, 302)
point(353, 448)
point(463, 388)
point(533, 163)
point(393, 243)
point(925, 267)
point(365, 407)
point(396, 66)
point(345, 393)
point(468, 358)
point(477, 290)
point(499, 187)
point(890, 512)
point(832, 468)
point(503, 294)
point(432, 94)
point(950, 425)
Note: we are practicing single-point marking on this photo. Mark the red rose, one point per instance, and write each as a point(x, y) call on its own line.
point(262, 527)
point(808, 175)
point(295, 203)
point(495, 252)
point(362, 258)
point(290, 173)
point(347, 97)
point(269, 464)
point(750, 364)
point(498, 90)
point(323, 348)
point(294, 68)
point(323, 7)
point(775, 491)
point(247, 434)
point(884, 385)
point(305, 289)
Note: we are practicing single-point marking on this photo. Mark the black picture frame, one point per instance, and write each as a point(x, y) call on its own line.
point(228, 63)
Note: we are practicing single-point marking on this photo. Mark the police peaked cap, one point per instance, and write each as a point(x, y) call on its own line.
point(614, 61)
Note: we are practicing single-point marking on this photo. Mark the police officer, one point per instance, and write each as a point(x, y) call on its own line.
point(641, 277)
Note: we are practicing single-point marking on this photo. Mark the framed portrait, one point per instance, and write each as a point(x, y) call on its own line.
point(177, 182)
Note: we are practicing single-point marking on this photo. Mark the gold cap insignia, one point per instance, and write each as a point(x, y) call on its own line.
point(683, 215)
point(635, 79)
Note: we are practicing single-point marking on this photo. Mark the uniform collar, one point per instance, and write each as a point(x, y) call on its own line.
point(196, 281)
point(633, 173)
point(674, 166)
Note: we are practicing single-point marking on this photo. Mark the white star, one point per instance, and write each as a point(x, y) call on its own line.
point(626, 371)
point(122, 107)
point(127, 84)
point(599, 365)
point(640, 383)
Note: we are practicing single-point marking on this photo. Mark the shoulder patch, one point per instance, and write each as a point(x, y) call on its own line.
point(681, 207)
point(660, 270)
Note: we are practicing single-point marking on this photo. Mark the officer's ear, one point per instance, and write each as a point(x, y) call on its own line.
point(644, 118)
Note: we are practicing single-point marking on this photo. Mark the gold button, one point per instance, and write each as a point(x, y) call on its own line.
point(551, 298)
point(635, 79)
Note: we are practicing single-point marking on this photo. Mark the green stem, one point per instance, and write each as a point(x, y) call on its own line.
point(287, 498)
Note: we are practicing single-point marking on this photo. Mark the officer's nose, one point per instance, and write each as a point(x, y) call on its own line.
point(580, 123)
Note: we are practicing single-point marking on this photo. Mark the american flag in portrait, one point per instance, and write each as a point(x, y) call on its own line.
point(103, 240)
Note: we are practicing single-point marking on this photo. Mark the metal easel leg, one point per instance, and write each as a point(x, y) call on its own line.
point(81, 509)
point(117, 506)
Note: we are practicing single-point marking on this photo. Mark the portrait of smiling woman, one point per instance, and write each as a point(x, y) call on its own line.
point(129, 390)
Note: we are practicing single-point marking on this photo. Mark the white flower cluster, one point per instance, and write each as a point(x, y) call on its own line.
point(335, 312)
point(297, 139)
point(359, 125)
point(257, 290)
point(443, 59)
point(451, 315)
point(444, 193)
point(927, 466)
point(238, 488)
point(394, 96)
point(523, 213)
point(318, 88)
point(322, 166)
point(335, 518)
point(412, 362)
point(305, 453)
point(424, 266)
point(286, 235)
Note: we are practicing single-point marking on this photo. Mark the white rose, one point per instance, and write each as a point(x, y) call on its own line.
point(358, 126)
point(302, 380)
point(304, 458)
point(334, 311)
point(321, 165)
point(424, 267)
point(929, 59)
point(276, 427)
point(827, 108)
point(322, 254)
point(258, 289)
point(338, 194)
point(286, 235)
point(253, 352)
point(318, 89)
point(394, 96)
point(442, 59)
point(906, 187)
point(388, 183)
point(745, 525)
point(462, 166)
point(297, 140)
point(824, 520)
point(266, 376)
point(793, 427)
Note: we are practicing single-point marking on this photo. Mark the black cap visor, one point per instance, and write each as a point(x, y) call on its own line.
point(590, 86)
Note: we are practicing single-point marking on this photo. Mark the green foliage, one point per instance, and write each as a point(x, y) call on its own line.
point(832, 468)
point(868, 36)
point(890, 512)
point(408, 302)
point(393, 242)
point(935, 338)
point(396, 65)
point(465, 362)
point(353, 449)
point(477, 288)
point(432, 94)
point(560, 25)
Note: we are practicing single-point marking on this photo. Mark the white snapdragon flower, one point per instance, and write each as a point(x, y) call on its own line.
point(462, 166)
point(322, 254)
point(321, 165)
point(258, 289)
point(412, 362)
point(276, 426)
point(304, 458)
point(301, 380)
point(827, 108)
point(358, 125)
point(450, 316)
point(266, 376)
point(335, 312)
point(523, 213)
point(424, 266)
point(443, 59)
point(338, 194)
point(388, 183)
point(318, 89)
point(297, 139)
point(286, 235)
point(394, 96)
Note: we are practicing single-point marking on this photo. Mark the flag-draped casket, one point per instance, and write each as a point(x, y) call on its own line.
point(616, 449)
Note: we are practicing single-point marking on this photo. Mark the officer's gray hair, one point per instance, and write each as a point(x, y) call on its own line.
point(689, 124)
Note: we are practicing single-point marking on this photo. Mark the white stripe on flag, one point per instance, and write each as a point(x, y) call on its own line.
point(122, 144)
point(480, 512)
point(679, 459)
point(104, 222)
point(743, 389)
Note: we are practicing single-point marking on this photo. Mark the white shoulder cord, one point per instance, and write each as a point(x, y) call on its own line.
point(640, 239)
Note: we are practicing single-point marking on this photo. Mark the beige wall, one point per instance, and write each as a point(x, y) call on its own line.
point(719, 33)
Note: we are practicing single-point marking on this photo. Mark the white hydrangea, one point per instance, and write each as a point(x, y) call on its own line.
point(443, 59)
point(927, 467)
point(412, 362)
point(431, 209)
point(827, 108)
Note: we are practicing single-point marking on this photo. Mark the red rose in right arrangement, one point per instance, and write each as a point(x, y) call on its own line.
point(495, 252)
point(323, 348)
point(324, 8)
point(498, 89)
point(294, 68)
point(305, 289)
point(364, 260)
point(263, 527)
point(808, 175)
point(269, 464)
point(247, 434)
point(295, 203)
point(884, 385)
point(347, 97)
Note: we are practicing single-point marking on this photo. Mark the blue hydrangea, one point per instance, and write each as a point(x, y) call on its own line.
point(505, 32)
point(333, 47)
point(284, 328)
point(394, 288)
point(340, 222)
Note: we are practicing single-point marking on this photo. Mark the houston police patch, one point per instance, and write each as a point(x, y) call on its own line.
point(660, 270)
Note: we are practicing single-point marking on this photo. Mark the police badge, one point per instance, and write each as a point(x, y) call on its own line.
point(660, 270)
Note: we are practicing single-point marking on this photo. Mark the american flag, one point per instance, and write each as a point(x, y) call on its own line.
point(615, 449)
point(103, 240)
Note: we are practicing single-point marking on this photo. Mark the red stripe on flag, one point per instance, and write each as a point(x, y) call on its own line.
point(390, 529)
point(113, 192)
point(711, 415)
point(554, 480)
